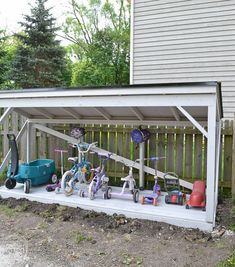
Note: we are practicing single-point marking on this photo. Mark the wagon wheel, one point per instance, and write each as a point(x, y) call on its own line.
point(27, 186)
point(10, 183)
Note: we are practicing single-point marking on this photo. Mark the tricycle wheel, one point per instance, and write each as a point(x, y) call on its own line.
point(155, 202)
point(27, 186)
point(167, 199)
point(108, 193)
point(136, 195)
point(81, 193)
point(142, 200)
point(54, 178)
point(10, 183)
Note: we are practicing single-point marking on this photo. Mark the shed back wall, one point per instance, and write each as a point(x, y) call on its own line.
point(186, 41)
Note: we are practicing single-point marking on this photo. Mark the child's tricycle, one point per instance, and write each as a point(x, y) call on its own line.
point(172, 186)
point(34, 173)
point(152, 198)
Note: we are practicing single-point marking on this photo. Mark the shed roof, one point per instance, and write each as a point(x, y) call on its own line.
point(149, 103)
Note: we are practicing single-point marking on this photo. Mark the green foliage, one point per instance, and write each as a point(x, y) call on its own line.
point(40, 60)
point(100, 35)
point(230, 262)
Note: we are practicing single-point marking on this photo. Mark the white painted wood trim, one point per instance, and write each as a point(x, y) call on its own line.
point(211, 167)
point(103, 113)
point(118, 122)
point(28, 142)
point(194, 122)
point(141, 162)
point(137, 113)
point(175, 113)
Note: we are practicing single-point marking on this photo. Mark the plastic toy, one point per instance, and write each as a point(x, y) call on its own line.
point(130, 184)
point(56, 183)
point(152, 198)
point(100, 180)
point(140, 135)
point(172, 186)
point(80, 173)
point(198, 196)
point(34, 173)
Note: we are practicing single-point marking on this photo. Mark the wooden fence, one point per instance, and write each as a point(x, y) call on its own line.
point(184, 148)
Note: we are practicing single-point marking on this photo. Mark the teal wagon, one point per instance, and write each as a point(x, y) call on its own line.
point(33, 173)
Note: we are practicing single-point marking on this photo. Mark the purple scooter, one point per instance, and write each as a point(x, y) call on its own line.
point(152, 198)
point(57, 182)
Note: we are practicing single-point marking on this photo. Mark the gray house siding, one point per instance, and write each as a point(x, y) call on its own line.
point(187, 40)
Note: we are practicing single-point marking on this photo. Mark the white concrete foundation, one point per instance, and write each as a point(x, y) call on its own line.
point(172, 214)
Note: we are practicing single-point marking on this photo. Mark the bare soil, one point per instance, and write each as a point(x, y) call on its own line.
point(36, 234)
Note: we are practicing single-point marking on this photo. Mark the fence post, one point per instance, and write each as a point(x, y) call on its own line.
point(233, 162)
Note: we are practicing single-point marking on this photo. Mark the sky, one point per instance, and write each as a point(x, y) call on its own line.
point(11, 12)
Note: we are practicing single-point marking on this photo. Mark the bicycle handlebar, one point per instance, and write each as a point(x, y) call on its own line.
point(81, 146)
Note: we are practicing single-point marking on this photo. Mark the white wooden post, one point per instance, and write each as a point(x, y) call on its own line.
point(210, 181)
point(218, 142)
point(141, 170)
point(28, 142)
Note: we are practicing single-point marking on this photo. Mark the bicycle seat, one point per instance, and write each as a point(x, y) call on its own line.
point(73, 159)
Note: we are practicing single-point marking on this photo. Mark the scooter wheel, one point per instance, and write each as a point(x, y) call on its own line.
point(92, 195)
point(136, 196)
point(10, 183)
point(108, 193)
point(142, 200)
point(27, 187)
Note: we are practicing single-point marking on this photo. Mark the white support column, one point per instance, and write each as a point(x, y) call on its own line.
point(28, 142)
point(211, 164)
point(141, 162)
point(218, 142)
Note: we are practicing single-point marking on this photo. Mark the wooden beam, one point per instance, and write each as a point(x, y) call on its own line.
point(137, 113)
point(103, 113)
point(23, 113)
point(44, 113)
point(194, 122)
point(72, 113)
point(175, 113)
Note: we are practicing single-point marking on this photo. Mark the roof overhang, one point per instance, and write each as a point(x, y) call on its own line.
point(135, 104)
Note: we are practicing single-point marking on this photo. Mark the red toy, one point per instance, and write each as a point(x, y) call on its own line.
point(198, 196)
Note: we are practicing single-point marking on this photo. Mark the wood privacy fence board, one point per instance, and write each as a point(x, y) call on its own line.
point(170, 155)
point(198, 157)
point(179, 154)
point(188, 155)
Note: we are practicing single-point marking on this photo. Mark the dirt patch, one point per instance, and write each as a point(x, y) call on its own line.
point(63, 236)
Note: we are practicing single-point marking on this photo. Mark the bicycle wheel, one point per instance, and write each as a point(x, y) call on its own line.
point(66, 188)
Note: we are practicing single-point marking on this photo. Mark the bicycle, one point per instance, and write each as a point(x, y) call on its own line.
point(80, 173)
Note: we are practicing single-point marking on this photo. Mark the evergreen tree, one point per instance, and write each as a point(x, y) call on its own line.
point(40, 60)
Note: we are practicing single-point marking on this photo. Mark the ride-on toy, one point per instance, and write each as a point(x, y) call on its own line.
point(56, 183)
point(152, 198)
point(172, 186)
point(130, 184)
point(100, 180)
point(198, 196)
point(80, 174)
point(34, 173)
